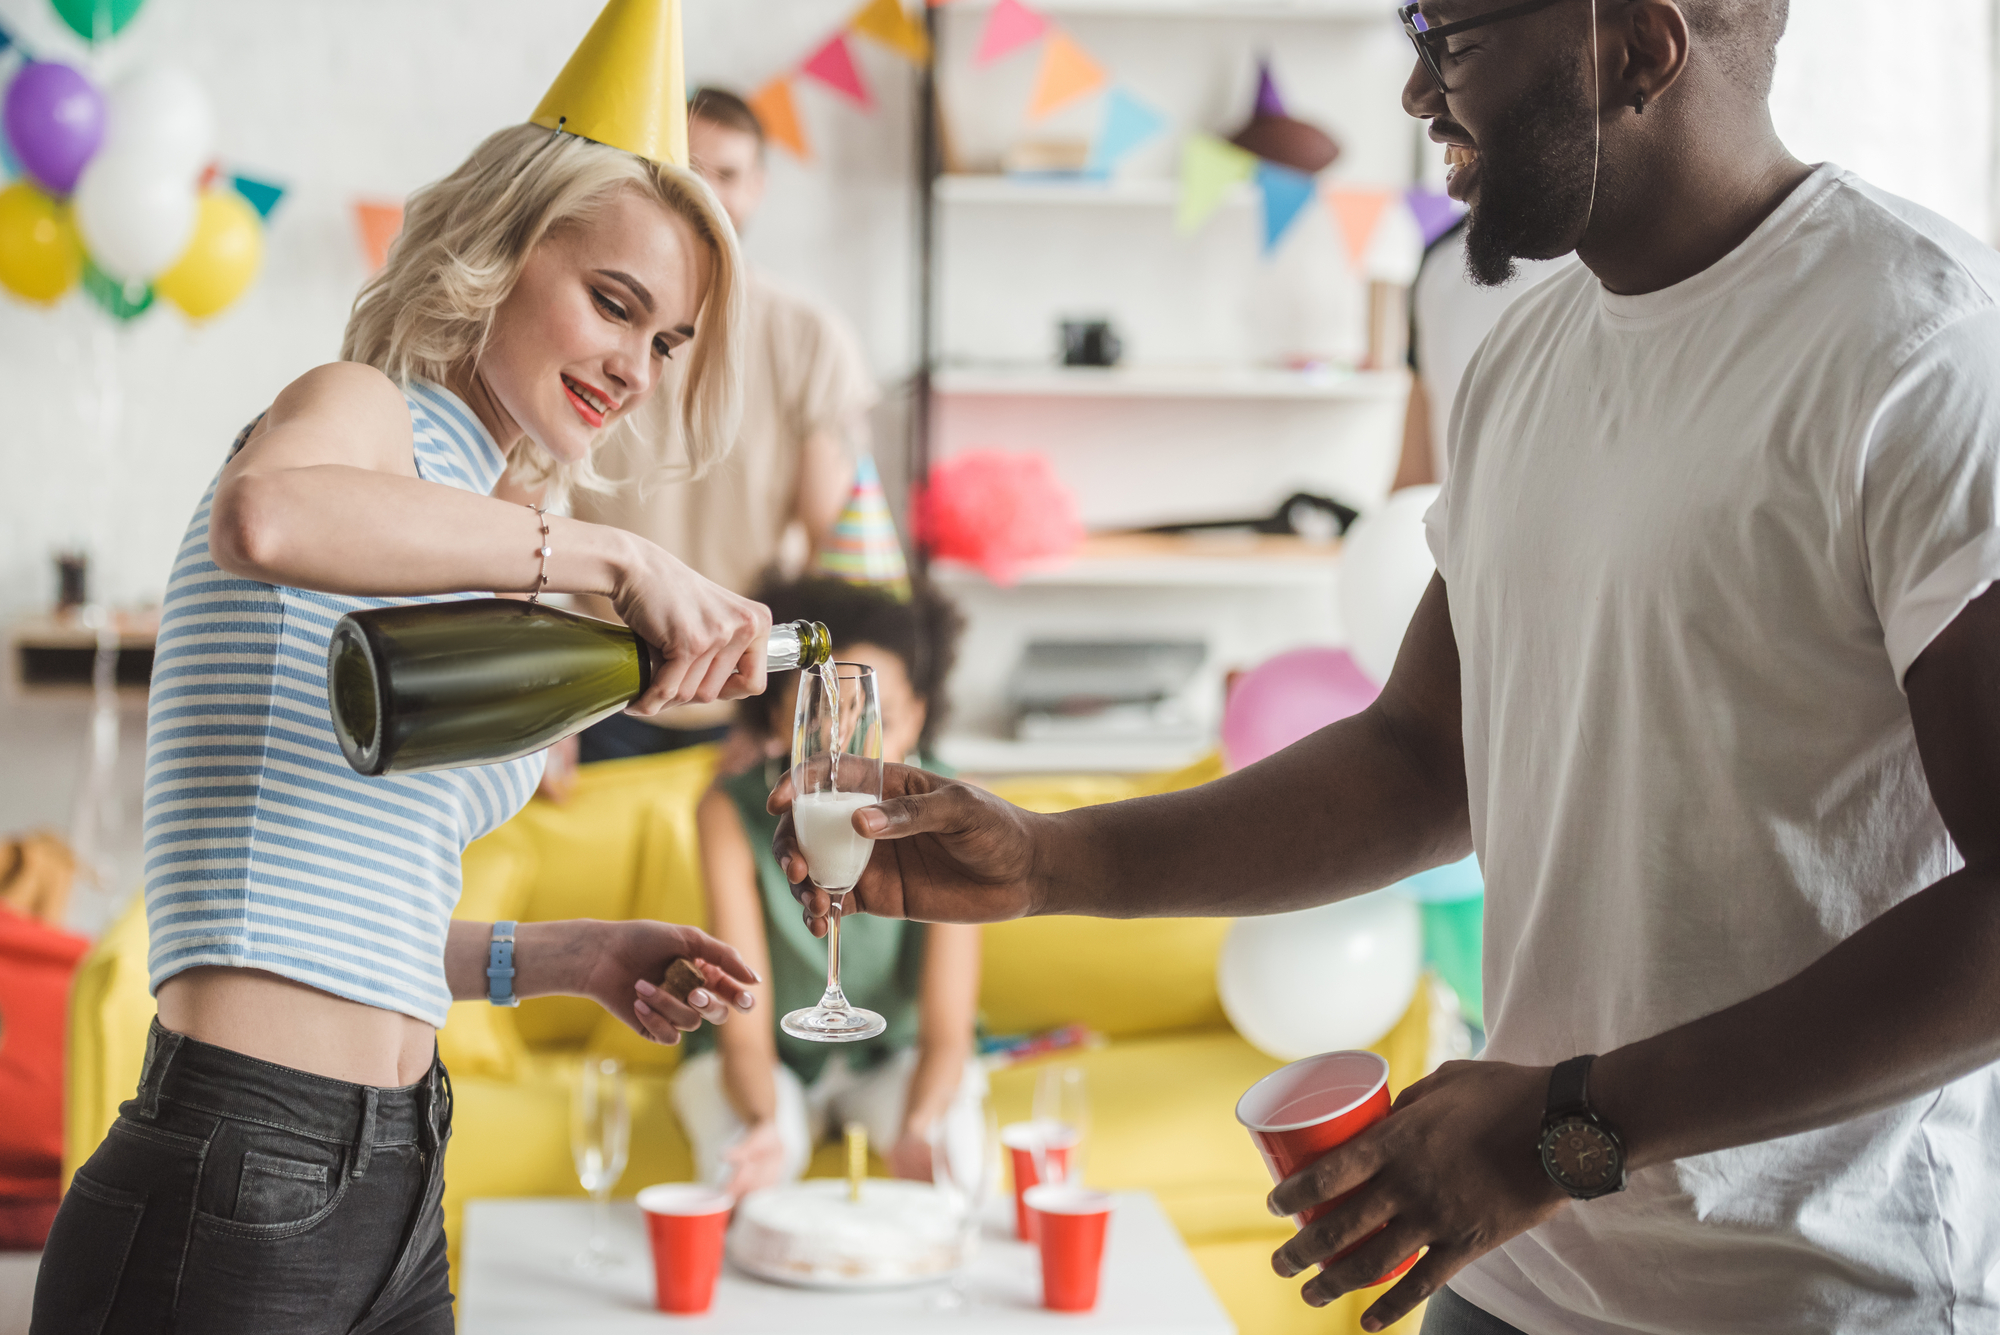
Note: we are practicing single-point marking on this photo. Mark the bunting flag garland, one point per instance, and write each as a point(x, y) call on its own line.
point(1358, 214)
point(263, 195)
point(1285, 193)
point(1209, 167)
point(1068, 72)
point(1436, 212)
point(1009, 27)
point(1128, 123)
point(1269, 101)
point(779, 115)
point(887, 23)
point(379, 222)
point(833, 65)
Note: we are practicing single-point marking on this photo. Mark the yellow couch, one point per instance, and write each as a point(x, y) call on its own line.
point(1162, 1092)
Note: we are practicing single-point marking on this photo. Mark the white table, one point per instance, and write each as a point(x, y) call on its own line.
point(513, 1277)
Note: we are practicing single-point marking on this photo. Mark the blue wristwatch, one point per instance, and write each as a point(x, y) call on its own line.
point(500, 966)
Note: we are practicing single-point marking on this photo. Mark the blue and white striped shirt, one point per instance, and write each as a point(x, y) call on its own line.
point(264, 849)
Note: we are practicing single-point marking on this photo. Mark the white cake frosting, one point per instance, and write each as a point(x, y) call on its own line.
point(811, 1233)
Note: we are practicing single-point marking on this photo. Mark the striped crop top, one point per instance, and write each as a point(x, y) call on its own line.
point(263, 848)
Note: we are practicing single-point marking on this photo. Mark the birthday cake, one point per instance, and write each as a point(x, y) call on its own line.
point(811, 1233)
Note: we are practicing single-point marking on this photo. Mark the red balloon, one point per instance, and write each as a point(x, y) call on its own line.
point(1292, 696)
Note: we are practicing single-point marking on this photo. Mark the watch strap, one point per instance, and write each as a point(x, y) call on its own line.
point(500, 966)
point(1569, 1089)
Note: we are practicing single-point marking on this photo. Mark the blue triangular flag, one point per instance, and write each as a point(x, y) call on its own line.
point(1285, 193)
point(6, 39)
point(263, 196)
point(1128, 123)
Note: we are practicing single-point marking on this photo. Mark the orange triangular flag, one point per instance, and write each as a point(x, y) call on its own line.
point(779, 116)
point(885, 21)
point(1359, 213)
point(1068, 73)
point(379, 223)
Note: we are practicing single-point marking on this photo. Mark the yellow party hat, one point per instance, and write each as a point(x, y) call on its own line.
point(625, 86)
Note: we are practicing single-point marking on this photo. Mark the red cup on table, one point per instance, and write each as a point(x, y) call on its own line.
point(1299, 1112)
point(687, 1223)
point(1029, 1146)
point(1070, 1223)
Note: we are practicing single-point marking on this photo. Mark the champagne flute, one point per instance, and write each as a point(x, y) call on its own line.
point(836, 771)
point(969, 1182)
point(600, 1137)
point(1062, 1119)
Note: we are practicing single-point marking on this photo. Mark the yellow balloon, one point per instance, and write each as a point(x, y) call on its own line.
point(40, 256)
point(221, 261)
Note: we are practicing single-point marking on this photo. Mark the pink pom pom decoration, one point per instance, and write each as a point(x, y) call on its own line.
point(998, 512)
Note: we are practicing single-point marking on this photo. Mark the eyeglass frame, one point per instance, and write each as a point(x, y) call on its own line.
point(1422, 38)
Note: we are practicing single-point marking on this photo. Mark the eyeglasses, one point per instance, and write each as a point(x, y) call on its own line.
point(1429, 41)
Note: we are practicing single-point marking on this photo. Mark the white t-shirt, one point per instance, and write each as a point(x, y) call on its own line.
point(1693, 540)
point(1452, 315)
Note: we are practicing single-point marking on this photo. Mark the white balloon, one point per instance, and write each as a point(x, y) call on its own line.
point(160, 114)
point(1385, 566)
point(135, 217)
point(1338, 976)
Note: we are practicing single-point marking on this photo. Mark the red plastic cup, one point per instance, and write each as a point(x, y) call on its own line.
point(1070, 1222)
point(686, 1222)
point(1021, 1139)
point(1299, 1112)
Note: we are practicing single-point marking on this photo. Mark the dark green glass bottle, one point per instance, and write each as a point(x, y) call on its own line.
point(432, 686)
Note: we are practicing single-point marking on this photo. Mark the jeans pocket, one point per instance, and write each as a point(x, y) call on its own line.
point(85, 1258)
point(276, 1190)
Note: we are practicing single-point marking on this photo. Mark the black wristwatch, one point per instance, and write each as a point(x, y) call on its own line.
point(1580, 1151)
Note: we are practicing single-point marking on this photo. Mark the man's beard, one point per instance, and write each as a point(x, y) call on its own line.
point(1536, 179)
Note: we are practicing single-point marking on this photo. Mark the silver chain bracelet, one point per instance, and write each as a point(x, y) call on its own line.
point(545, 552)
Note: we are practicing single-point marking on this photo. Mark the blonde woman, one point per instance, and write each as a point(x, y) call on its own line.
point(279, 1168)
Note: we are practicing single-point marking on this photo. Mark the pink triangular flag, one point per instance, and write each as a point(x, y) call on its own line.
point(1359, 213)
point(1011, 26)
point(833, 66)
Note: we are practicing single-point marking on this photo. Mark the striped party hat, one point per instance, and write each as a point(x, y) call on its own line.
point(863, 548)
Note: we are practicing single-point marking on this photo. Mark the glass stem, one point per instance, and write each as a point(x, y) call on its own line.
point(835, 999)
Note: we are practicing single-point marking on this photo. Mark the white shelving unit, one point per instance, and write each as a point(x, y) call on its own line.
point(1202, 420)
point(1168, 382)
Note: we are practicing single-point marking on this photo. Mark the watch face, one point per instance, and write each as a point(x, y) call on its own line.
point(1582, 1157)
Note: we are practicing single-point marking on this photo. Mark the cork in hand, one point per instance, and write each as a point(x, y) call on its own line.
point(683, 977)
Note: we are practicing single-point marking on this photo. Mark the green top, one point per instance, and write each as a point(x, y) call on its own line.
point(881, 959)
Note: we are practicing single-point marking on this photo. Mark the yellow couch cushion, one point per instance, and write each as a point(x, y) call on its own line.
point(110, 1010)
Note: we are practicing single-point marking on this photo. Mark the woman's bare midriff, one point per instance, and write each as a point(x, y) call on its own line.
point(277, 1020)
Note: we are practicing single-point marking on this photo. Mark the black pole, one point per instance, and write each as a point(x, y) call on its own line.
point(928, 167)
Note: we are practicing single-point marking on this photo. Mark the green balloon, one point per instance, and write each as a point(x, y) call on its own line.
point(1452, 939)
point(97, 19)
point(121, 301)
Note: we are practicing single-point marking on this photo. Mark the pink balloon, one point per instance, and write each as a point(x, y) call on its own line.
point(1293, 695)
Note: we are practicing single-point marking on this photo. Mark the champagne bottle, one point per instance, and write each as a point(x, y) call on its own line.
point(431, 686)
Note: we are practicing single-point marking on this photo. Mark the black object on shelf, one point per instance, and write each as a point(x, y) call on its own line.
point(1302, 515)
point(1090, 343)
point(71, 665)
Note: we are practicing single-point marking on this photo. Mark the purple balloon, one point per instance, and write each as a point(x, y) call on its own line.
point(1293, 695)
point(55, 121)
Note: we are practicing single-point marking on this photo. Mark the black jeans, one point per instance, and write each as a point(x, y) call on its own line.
point(234, 1195)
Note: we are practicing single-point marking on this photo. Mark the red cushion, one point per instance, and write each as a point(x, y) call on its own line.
point(36, 965)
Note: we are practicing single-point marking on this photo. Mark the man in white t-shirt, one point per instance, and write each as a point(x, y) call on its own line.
point(1709, 677)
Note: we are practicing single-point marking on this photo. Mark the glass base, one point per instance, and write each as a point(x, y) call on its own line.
point(826, 1024)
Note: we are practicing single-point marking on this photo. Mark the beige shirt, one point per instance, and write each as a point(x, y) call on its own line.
point(803, 375)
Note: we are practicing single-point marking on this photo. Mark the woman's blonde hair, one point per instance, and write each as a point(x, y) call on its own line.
point(465, 241)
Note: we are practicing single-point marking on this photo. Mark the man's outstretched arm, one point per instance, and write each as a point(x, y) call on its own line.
point(1360, 804)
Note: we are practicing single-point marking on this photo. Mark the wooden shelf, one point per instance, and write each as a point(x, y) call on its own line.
point(1158, 560)
point(55, 653)
point(1141, 381)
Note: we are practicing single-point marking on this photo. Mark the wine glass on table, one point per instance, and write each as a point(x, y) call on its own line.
point(600, 1137)
point(1062, 1118)
point(968, 1174)
point(836, 771)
